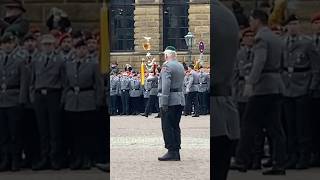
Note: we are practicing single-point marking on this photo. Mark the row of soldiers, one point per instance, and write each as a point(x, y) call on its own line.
point(299, 88)
point(51, 101)
point(129, 96)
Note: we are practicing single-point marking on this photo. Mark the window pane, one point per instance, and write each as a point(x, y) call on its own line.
point(122, 25)
point(176, 23)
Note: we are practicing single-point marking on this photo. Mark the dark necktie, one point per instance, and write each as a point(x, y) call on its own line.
point(78, 65)
point(29, 60)
point(249, 54)
point(5, 60)
point(47, 61)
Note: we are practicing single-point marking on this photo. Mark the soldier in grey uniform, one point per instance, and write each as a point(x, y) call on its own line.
point(192, 90)
point(264, 87)
point(66, 48)
point(114, 88)
point(184, 89)
point(135, 94)
point(82, 99)
point(171, 102)
point(153, 99)
point(203, 91)
point(297, 78)
point(46, 82)
point(124, 90)
point(13, 96)
point(224, 115)
point(146, 95)
point(30, 129)
point(93, 48)
point(315, 90)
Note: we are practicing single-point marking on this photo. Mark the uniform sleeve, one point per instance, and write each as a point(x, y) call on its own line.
point(259, 61)
point(189, 82)
point(98, 80)
point(166, 84)
point(65, 84)
point(23, 83)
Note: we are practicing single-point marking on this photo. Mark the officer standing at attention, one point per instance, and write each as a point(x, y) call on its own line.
point(30, 130)
point(146, 95)
point(135, 94)
point(153, 99)
point(224, 115)
point(297, 78)
point(114, 85)
point(203, 91)
point(171, 102)
point(82, 99)
point(125, 87)
point(192, 90)
point(66, 48)
point(184, 89)
point(264, 87)
point(13, 95)
point(47, 79)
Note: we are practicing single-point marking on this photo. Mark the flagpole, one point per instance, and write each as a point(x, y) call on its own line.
point(104, 38)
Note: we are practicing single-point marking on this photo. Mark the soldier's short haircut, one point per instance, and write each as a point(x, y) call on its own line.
point(261, 15)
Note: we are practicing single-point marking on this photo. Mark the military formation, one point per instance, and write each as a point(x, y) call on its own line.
point(276, 87)
point(52, 98)
point(129, 96)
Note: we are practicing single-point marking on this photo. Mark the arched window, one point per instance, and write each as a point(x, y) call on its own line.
point(176, 23)
point(122, 25)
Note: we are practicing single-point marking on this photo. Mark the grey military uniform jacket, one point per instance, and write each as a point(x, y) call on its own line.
point(265, 73)
point(13, 79)
point(68, 56)
point(315, 64)
point(114, 85)
point(203, 82)
point(124, 83)
point(224, 115)
point(297, 66)
point(135, 88)
point(243, 67)
point(154, 85)
point(29, 59)
point(83, 87)
point(146, 88)
point(171, 77)
point(193, 82)
point(48, 74)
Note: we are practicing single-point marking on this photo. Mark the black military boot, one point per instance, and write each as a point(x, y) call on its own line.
point(195, 115)
point(15, 164)
point(76, 163)
point(236, 165)
point(43, 164)
point(4, 165)
point(170, 156)
point(291, 163)
point(103, 167)
point(86, 163)
point(275, 171)
point(304, 161)
point(268, 163)
point(144, 114)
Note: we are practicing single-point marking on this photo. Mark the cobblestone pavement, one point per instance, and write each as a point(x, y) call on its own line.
point(310, 174)
point(93, 174)
point(136, 143)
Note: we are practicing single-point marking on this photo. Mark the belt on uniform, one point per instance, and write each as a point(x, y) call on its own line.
point(203, 83)
point(135, 89)
point(220, 90)
point(172, 90)
point(306, 69)
point(113, 89)
point(241, 78)
point(125, 90)
point(45, 91)
point(270, 71)
point(5, 87)
point(77, 89)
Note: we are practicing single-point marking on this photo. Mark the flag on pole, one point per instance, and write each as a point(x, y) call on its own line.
point(142, 69)
point(104, 39)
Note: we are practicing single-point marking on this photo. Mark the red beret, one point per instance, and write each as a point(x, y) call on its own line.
point(276, 28)
point(63, 37)
point(315, 17)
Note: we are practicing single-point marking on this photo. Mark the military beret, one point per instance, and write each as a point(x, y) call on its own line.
point(292, 17)
point(275, 28)
point(8, 37)
point(63, 37)
point(315, 17)
point(170, 49)
point(48, 38)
